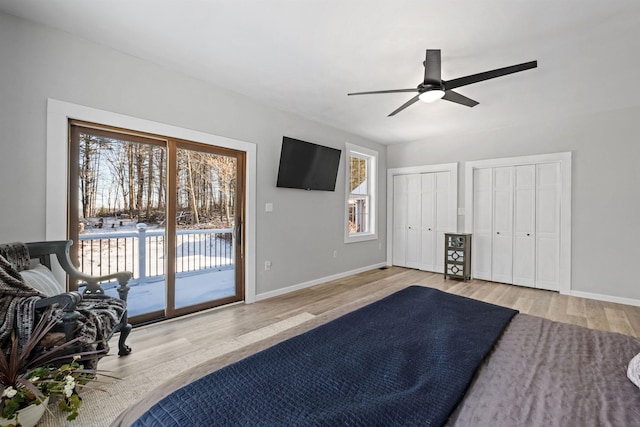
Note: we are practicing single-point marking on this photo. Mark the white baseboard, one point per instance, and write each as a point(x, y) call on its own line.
point(607, 298)
point(265, 295)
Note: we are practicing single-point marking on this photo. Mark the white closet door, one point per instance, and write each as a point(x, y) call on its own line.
point(446, 217)
point(400, 198)
point(524, 240)
point(517, 218)
point(423, 210)
point(482, 223)
point(428, 221)
point(548, 226)
point(414, 221)
point(502, 254)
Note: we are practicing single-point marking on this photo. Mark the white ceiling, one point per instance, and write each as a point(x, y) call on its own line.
point(304, 56)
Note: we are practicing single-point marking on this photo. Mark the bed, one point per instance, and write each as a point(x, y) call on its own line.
point(474, 364)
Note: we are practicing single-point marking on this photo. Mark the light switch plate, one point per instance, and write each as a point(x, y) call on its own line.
point(268, 207)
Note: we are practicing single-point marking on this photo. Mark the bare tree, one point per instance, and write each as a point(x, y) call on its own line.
point(131, 179)
point(131, 176)
point(90, 149)
point(150, 180)
point(226, 176)
point(139, 178)
point(162, 181)
point(191, 188)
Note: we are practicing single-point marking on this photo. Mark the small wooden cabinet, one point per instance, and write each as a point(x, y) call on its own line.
point(457, 256)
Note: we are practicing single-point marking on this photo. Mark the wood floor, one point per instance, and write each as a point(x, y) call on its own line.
point(161, 342)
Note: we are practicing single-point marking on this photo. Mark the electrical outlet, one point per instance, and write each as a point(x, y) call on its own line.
point(267, 265)
point(335, 254)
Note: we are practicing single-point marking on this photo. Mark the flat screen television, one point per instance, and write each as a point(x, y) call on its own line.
point(308, 166)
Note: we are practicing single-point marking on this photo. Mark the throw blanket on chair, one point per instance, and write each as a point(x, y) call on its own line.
point(405, 360)
point(98, 313)
point(17, 300)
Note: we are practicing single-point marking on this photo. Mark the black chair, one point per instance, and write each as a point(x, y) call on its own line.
point(40, 253)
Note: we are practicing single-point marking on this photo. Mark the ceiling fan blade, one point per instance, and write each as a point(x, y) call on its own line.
point(383, 91)
point(432, 67)
point(475, 78)
point(452, 96)
point(405, 105)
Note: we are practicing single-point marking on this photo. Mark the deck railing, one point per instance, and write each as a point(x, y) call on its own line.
point(143, 252)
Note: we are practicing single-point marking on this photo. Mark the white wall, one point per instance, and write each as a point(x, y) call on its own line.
point(37, 63)
point(605, 188)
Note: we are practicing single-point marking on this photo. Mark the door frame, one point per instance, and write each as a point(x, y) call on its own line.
point(453, 189)
point(58, 115)
point(564, 159)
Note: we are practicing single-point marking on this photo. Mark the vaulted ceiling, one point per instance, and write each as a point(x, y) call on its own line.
point(304, 56)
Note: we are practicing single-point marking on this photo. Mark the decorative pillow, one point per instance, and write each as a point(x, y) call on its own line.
point(633, 372)
point(42, 279)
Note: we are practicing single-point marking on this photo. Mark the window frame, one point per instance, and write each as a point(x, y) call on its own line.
point(371, 158)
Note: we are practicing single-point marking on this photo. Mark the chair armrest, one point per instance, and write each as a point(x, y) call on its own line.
point(61, 249)
point(67, 301)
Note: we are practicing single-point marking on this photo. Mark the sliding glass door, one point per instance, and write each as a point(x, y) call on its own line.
point(207, 227)
point(170, 211)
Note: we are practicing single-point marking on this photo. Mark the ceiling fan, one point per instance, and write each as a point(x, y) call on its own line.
point(434, 88)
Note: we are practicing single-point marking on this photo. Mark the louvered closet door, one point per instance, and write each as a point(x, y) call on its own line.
point(423, 210)
point(445, 216)
point(428, 221)
point(524, 233)
point(400, 197)
point(482, 223)
point(437, 218)
point(548, 198)
point(516, 224)
point(414, 221)
point(502, 253)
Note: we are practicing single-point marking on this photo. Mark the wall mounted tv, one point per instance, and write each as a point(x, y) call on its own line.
point(308, 166)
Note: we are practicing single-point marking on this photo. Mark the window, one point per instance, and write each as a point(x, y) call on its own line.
point(360, 192)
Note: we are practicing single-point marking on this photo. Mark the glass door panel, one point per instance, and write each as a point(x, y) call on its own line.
point(205, 215)
point(120, 200)
point(128, 185)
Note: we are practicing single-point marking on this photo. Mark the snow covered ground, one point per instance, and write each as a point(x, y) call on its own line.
point(191, 289)
point(105, 250)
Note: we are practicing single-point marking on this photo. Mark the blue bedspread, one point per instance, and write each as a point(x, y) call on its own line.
point(405, 360)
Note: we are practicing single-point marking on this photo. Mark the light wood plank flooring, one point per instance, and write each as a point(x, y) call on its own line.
point(164, 341)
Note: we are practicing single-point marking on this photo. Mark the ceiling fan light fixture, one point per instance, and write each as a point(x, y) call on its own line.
point(431, 95)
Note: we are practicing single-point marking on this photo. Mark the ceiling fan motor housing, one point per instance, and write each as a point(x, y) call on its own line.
point(425, 87)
